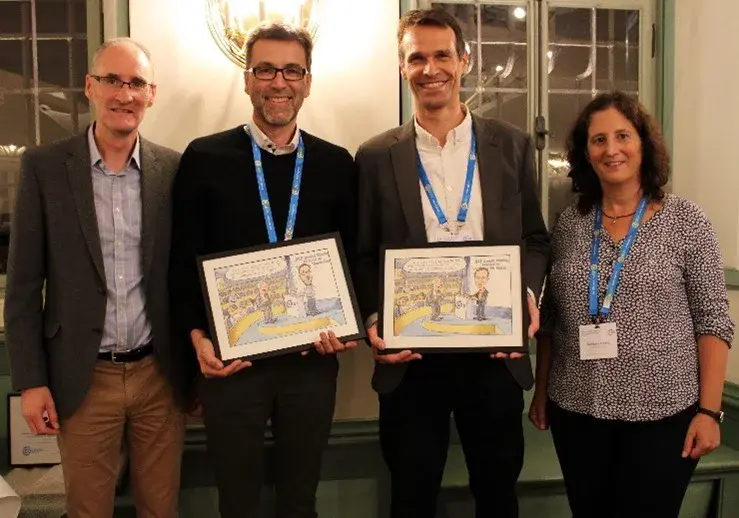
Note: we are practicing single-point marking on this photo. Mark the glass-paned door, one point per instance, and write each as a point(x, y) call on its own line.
point(589, 50)
point(44, 54)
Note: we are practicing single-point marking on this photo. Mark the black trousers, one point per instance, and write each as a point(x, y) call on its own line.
point(487, 404)
point(620, 469)
point(298, 394)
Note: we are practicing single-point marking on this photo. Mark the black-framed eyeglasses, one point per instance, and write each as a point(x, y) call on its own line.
point(267, 73)
point(135, 84)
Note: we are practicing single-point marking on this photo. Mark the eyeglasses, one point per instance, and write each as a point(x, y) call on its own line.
point(135, 84)
point(289, 73)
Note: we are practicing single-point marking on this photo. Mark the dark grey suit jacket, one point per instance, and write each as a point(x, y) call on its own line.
point(390, 212)
point(55, 244)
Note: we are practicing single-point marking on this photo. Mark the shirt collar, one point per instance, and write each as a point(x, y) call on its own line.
point(96, 157)
point(462, 134)
point(264, 142)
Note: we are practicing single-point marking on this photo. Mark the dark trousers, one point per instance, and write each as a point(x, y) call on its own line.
point(620, 469)
point(298, 394)
point(487, 404)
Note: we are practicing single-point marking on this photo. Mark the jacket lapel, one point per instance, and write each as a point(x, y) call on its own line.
point(403, 154)
point(79, 174)
point(489, 163)
point(152, 186)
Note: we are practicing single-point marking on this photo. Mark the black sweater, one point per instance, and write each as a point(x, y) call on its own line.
point(217, 208)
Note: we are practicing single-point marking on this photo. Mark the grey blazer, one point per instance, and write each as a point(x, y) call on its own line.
point(55, 247)
point(390, 212)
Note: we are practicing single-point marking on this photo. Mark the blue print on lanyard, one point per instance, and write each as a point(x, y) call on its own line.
point(294, 194)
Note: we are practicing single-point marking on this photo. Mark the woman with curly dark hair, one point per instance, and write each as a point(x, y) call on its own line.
point(632, 353)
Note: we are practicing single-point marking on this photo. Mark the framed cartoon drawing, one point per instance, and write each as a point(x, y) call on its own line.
point(463, 297)
point(278, 298)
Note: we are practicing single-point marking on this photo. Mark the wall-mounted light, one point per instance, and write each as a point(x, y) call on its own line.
point(519, 12)
point(230, 21)
point(12, 150)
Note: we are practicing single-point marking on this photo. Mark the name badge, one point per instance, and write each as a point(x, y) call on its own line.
point(441, 235)
point(598, 342)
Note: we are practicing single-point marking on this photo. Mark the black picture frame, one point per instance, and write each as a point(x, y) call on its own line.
point(351, 329)
point(454, 339)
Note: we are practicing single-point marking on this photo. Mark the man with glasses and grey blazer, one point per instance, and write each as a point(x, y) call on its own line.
point(86, 310)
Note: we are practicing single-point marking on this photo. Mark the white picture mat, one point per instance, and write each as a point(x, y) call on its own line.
point(25, 446)
point(349, 328)
point(511, 292)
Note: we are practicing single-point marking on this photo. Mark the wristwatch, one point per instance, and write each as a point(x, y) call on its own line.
point(718, 416)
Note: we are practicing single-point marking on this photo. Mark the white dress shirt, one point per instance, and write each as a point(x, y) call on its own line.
point(446, 168)
point(265, 143)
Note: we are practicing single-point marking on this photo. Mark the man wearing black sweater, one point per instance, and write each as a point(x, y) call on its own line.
point(217, 207)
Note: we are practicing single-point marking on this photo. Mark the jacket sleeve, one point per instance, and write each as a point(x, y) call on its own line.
point(188, 242)
point(535, 234)
point(368, 235)
point(25, 283)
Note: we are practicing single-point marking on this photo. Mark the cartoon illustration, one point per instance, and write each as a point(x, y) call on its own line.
point(482, 275)
point(264, 302)
point(434, 300)
point(466, 295)
point(306, 275)
point(277, 297)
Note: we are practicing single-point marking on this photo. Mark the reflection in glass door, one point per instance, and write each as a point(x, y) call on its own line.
point(497, 84)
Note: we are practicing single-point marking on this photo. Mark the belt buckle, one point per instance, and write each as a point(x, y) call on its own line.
point(112, 358)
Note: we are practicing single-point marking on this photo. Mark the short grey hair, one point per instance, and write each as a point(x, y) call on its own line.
point(115, 42)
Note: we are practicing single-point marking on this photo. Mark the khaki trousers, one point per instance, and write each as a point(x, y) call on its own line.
point(133, 400)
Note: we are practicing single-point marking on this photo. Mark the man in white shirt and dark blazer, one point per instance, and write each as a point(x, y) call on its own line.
point(418, 395)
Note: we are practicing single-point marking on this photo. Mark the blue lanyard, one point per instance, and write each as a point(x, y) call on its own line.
point(292, 213)
point(618, 267)
point(466, 194)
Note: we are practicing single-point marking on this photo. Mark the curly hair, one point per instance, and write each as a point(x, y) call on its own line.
point(655, 165)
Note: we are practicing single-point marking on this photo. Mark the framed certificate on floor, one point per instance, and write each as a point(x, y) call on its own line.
point(25, 448)
point(461, 297)
point(278, 298)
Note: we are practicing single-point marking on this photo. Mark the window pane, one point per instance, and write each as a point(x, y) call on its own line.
point(11, 17)
point(510, 107)
point(79, 17)
point(62, 114)
point(52, 17)
point(618, 50)
point(497, 84)
point(79, 63)
point(15, 64)
point(53, 63)
point(17, 127)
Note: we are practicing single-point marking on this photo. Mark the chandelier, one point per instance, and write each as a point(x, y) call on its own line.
point(230, 21)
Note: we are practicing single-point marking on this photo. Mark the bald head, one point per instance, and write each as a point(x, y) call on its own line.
point(128, 45)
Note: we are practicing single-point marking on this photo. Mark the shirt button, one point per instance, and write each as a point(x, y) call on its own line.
point(120, 276)
point(117, 209)
point(117, 243)
point(448, 187)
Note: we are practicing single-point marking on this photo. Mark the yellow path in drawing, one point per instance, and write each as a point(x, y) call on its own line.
point(403, 321)
point(246, 322)
point(464, 329)
point(300, 327)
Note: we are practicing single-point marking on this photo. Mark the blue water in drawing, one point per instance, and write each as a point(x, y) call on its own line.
point(331, 308)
